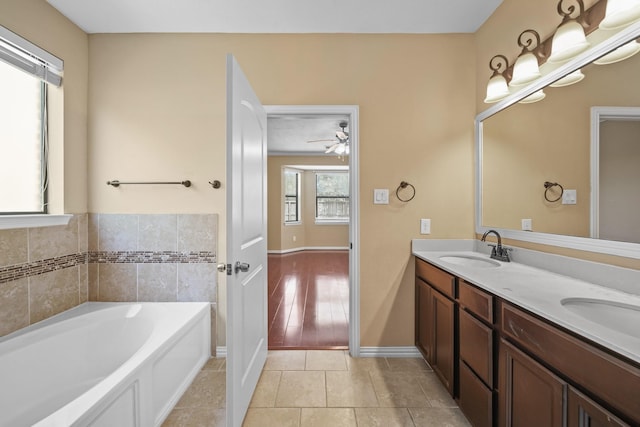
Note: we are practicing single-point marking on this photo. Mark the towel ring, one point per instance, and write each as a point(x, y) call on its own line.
point(548, 186)
point(402, 185)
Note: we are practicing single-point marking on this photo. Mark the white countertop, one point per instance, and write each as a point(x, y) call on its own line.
point(541, 292)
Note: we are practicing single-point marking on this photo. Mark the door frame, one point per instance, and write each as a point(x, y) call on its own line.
point(354, 217)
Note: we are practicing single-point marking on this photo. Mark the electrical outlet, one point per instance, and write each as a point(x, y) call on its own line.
point(425, 226)
point(527, 225)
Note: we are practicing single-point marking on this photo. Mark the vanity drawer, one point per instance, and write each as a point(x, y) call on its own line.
point(476, 301)
point(476, 346)
point(609, 378)
point(439, 279)
point(476, 400)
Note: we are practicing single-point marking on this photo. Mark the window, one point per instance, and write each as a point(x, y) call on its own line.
point(22, 164)
point(24, 71)
point(291, 196)
point(332, 197)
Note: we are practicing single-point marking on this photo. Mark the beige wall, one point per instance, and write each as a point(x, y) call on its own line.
point(157, 110)
point(307, 234)
point(44, 26)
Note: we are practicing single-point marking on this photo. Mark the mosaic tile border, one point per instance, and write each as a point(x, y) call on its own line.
point(29, 269)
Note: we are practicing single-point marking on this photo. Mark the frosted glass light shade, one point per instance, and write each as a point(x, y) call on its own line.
point(569, 79)
point(620, 54)
point(534, 97)
point(620, 13)
point(568, 41)
point(525, 70)
point(497, 89)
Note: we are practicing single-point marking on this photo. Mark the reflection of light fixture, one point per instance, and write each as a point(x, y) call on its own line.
point(526, 68)
point(569, 79)
point(620, 13)
point(534, 97)
point(620, 54)
point(497, 88)
point(569, 39)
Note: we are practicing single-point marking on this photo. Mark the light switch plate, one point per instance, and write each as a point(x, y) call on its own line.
point(425, 226)
point(381, 196)
point(569, 197)
point(527, 224)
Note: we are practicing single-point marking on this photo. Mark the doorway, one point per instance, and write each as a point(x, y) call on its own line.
point(313, 283)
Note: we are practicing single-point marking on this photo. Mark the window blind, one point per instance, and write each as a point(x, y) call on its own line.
point(30, 58)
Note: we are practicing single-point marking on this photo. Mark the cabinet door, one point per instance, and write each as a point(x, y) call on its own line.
point(442, 349)
point(476, 399)
point(584, 412)
point(529, 394)
point(423, 319)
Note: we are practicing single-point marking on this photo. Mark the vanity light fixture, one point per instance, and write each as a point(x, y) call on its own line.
point(569, 79)
point(497, 87)
point(620, 54)
point(569, 39)
point(526, 69)
point(620, 13)
point(534, 97)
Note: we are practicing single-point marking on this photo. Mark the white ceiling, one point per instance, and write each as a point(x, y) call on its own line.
point(277, 16)
point(289, 134)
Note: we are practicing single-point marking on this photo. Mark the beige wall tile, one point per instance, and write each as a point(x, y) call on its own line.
point(83, 232)
point(50, 242)
point(52, 293)
point(197, 282)
point(13, 246)
point(302, 389)
point(14, 306)
point(117, 282)
point(197, 232)
point(157, 282)
point(272, 417)
point(92, 285)
point(322, 417)
point(157, 233)
point(83, 282)
point(93, 231)
point(118, 232)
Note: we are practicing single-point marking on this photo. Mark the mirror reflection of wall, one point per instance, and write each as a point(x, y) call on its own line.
point(528, 144)
point(619, 201)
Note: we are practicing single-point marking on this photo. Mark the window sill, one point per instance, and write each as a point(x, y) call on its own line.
point(8, 222)
point(332, 222)
point(293, 223)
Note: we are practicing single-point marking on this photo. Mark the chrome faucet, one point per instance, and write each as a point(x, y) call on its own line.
point(498, 251)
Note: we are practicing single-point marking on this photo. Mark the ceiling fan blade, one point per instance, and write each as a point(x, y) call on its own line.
point(343, 136)
point(332, 148)
point(322, 140)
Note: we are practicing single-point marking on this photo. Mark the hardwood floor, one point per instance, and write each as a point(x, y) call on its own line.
point(309, 300)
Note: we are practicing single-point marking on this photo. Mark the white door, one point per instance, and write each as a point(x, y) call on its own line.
point(246, 242)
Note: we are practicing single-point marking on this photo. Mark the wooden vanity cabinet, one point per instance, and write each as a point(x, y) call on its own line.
point(436, 321)
point(476, 363)
point(584, 412)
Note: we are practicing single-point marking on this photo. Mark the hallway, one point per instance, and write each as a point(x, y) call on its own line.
point(309, 300)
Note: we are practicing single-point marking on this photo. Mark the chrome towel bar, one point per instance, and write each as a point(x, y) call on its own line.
point(116, 183)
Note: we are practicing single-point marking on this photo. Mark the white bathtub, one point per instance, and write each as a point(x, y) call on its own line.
point(103, 364)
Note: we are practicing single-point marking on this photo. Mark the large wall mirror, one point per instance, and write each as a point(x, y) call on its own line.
point(584, 137)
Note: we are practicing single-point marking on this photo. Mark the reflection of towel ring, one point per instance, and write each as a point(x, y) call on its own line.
point(549, 185)
point(402, 185)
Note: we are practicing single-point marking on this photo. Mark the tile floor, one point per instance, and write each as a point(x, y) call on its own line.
point(325, 388)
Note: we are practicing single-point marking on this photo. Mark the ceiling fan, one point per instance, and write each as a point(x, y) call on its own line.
point(341, 146)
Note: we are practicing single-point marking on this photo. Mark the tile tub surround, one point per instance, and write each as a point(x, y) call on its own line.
point(152, 257)
point(105, 257)
point(43, 271)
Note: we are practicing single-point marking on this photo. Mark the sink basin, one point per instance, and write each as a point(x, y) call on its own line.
point(470, 261)
point(620, 317)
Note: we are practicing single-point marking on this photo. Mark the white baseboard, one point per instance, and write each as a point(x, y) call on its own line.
point(308, 248)
point(409, 351)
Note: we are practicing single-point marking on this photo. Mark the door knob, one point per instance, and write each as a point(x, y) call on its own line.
point(241, 266)
point(222, 268)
